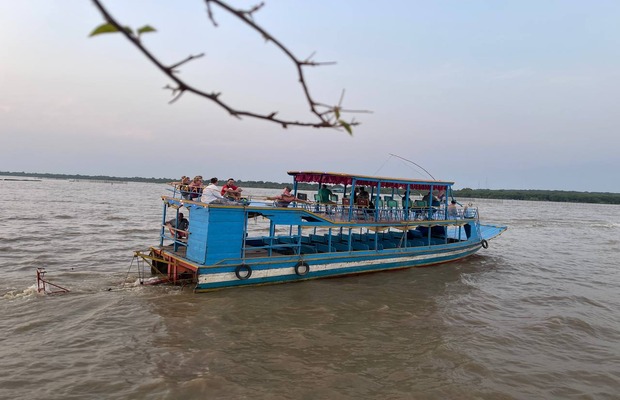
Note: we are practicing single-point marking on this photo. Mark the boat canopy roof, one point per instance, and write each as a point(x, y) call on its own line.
point(334, 178)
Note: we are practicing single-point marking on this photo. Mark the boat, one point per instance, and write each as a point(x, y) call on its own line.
point(257, 242)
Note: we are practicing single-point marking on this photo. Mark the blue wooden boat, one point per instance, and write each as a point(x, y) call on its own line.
point(257, 242)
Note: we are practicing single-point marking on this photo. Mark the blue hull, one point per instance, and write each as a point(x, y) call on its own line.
point(282, 269)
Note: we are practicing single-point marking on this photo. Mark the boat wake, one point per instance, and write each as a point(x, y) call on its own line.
point(17, 294)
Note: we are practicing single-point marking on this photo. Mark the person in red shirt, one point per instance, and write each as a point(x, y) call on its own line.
point(231, 191)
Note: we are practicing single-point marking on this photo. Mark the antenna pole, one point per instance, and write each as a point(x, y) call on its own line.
point(417, 165)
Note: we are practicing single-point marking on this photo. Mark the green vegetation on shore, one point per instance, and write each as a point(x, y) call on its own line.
point(541, 195)
point(532, 195)
point(256, 184)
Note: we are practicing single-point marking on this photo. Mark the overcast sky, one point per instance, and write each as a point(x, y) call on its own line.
point(491, 94)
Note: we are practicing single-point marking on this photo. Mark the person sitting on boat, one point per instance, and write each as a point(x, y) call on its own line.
point(453, 211)
point(178, 226)
point(442, 197)
point(363, 196)
point(325, 195)
point(325, 198)
point(231, 191)
point(183, 186)
point(213, 195)
point(195, 188)
point(468, 211)
point(407, 203)
point(355, 193)
point(431, 201)
point(285, 198)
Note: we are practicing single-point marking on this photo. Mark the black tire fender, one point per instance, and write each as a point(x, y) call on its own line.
point(302, 268)
point(239, 271)
point(484, 243)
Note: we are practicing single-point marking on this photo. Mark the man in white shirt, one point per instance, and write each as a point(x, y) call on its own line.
point(212, 194)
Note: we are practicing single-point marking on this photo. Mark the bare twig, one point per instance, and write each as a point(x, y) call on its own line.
point(188, 59)
point(328, 116)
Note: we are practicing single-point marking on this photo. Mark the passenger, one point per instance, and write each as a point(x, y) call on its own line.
point(229, 190)
point(453, 211)
point(213, 195)
point(406, 201)
point(363, 195)
point(178, 226)
point(184, 187)
point(285, 198)
point(325, 195)
point(431, 201)
point(468, 211)
point(195, 188)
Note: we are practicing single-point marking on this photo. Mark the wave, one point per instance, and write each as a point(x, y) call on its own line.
point(64, 216)
point(116, 218)
point(135, 230)
point(567, 300)
point(610, 225)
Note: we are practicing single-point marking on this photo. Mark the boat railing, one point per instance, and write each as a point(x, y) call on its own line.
point(178, 193)
point(177, 236)
point(193, 195)
point(386, 213)
point(349, 241)
point(277, 243)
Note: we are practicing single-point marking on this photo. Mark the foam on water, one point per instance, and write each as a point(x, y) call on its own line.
point(16, 294)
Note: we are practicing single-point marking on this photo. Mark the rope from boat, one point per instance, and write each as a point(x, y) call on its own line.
point(145, 258)
point(478, 226)
point(129, 270)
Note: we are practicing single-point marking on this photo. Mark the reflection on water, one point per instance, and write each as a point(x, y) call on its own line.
point(534, 316)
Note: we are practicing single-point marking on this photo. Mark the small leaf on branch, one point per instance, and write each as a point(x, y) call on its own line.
point(108, 28)
point(337, 112)
point(346, 126)
point(146, 29)
point(104, 28)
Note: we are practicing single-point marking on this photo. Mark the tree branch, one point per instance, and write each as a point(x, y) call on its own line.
point(327, 116)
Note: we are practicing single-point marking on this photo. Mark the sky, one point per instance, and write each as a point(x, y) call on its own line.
point(513, 94)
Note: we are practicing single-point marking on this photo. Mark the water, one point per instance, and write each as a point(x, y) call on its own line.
point(533, 317)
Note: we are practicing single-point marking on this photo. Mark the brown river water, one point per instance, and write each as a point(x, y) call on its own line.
point(535, 316)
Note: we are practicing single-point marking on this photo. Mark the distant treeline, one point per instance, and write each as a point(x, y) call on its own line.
point(85, 177)
point(533, 195)
point(257, 184)
point(540, 195)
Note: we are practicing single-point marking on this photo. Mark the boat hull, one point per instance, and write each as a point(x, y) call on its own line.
point(285, 269)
